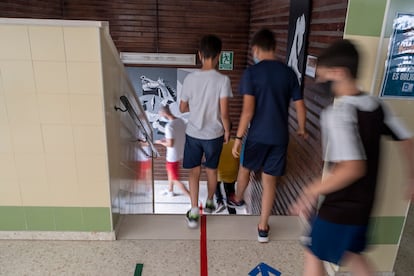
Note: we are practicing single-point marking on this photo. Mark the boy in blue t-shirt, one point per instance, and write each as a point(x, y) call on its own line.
point(267, 88)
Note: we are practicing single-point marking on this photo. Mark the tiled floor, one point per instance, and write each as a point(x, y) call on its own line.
point(232, 250)
point(404, 265)
point(160, 257)
point(231, 246)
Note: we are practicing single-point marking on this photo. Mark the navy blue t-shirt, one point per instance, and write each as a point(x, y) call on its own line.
point(273, 84)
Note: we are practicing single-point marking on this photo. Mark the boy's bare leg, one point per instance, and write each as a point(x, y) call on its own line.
point(268, 198)
point(211, 182)
point(170, 182)
point(182, 187)
point(243, 179)
point(194, 179)
point(359, 264)
point(313, 266)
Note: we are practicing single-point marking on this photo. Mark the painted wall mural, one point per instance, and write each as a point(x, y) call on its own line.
point(156, 87)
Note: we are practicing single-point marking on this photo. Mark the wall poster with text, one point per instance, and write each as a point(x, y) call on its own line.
point(399, 67)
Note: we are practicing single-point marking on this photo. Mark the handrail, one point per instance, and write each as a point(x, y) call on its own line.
point(134, 116)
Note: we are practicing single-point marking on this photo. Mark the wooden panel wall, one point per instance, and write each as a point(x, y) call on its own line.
point(169, 26)
point(176, 26)
point(31, 9)
point(304, 157)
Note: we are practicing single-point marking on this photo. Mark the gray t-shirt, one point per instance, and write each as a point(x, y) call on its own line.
point(203, 91)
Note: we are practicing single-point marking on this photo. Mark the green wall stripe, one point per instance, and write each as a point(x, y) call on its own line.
point(386, 230)
point(12, 218)
point(383, 230)
point(365, 17)
point(96, 219)
point(40, 218)
point(35, 218)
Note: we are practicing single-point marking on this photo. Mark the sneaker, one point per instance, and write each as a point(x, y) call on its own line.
point(209, 207)
point(263, 235)
point(220, 207)
point(192, 219)
point(231, 202)
point(168, 193)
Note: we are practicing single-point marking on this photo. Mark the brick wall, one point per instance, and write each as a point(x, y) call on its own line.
point(168, 26)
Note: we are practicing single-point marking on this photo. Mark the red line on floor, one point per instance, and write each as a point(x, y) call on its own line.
point(203, 246)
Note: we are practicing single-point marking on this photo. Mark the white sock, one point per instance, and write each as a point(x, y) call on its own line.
point(195, 211)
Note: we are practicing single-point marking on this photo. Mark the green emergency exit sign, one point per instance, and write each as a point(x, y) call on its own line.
point(226, 60)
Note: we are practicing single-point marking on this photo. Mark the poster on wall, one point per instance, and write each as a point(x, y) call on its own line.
point(156, 87)
point(399, 67)
point(299, 20)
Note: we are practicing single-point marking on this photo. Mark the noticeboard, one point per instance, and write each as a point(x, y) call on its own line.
point(399, 68)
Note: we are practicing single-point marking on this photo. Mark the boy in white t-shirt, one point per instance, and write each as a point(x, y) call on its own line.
point(205, 95)
point(174, 143)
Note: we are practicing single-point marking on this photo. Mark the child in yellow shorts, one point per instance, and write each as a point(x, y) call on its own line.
point(227, 171)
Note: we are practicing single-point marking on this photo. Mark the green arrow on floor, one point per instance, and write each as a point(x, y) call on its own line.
point(138, 269)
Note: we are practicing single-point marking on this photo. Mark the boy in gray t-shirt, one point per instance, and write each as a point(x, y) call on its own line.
point(205, 95)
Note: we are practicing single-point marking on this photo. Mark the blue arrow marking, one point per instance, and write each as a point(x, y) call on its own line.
point(264, 270)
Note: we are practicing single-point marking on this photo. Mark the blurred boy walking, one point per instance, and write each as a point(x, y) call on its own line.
point(351, 129)
point(174, 142)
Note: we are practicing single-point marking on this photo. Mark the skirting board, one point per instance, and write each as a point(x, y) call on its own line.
point(56, 235)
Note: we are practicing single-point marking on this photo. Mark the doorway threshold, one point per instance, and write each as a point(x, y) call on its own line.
point(219, 227)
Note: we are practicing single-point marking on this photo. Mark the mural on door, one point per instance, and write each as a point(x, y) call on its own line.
point(156, 87)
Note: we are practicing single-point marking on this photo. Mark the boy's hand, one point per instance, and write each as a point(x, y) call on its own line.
point(305, 204)
point(236, 148)
point(226, 137)
point(160, 142)
point(302, 133)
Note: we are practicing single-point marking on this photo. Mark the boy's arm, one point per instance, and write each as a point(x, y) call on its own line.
point(166, 142)
point(246, 116)
point(184, 107)
point(301, 117)
point(225, 118)
point(343, 174)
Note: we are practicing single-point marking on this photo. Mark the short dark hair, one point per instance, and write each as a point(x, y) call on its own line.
point(265, 40)
point(165, 109)
point(210, 46)
point(341, 53)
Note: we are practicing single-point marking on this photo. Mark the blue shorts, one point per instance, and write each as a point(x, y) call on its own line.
point(270, 158)
point(194, 150)
point(330, 241)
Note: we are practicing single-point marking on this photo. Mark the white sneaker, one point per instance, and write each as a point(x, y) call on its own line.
point(168, 193)
point(220, 207)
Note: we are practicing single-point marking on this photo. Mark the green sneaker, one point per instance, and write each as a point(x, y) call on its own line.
point(192, 219)
point(210, 207)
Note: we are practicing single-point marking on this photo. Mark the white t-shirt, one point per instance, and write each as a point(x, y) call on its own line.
point(340, 128)
point(203, 91)
point(175, 129)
